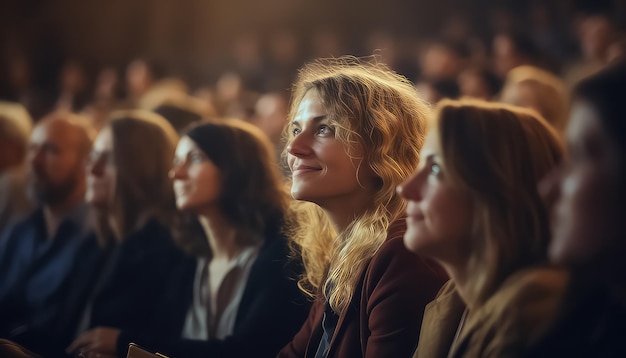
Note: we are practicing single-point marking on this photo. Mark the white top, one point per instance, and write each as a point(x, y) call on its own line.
point(204, 320)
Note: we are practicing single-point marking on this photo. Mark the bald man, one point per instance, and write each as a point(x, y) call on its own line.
point(37, 253)
point(15, 128)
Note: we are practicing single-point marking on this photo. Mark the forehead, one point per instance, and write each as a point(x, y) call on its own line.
point(185, 145)
point(431, 143)
point(57, 132)
point(310, 107)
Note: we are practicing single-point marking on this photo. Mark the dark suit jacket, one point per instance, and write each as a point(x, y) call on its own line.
point(125, 296)
point(128, 294)
point(384, 317)
point(272, 309)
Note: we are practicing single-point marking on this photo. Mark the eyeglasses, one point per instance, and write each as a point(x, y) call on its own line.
point(99, 157)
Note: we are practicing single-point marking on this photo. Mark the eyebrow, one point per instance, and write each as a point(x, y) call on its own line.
point(314, 119)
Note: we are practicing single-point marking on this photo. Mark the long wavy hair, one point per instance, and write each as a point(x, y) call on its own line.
point(253, 195)
point(379, 110)
point(498, 154)
point(143, 150)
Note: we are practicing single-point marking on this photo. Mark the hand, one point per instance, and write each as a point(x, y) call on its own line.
point(100, 342)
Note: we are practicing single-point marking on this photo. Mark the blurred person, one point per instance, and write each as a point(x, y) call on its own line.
point(588, 232)
point(179, 114)
point(270, 115)
point(139, 79)
point(72, 88)
point(355, 132)
point(596, 34)
point(547, 30)
point(478, 83)
point(532, 87)
point(236, 296)
point(232, 98)
point(37, 253)
point(285, 57)
point(433, 91)
point(15, 129)
point(164, 90)
point(443, 61)
point(515, 49)
point(118, 281)
point(106, 98)
point(474, 207)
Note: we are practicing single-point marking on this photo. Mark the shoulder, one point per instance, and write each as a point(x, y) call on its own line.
point(525, 305)
point(536, 286)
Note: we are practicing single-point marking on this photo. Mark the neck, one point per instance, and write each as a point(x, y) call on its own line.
point(221, 235)
point(343, 211)
point(62, 208)
point(459, 275)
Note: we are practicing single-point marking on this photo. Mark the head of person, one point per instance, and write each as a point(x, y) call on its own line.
point(58, 147)
point(15, 128)
point(474, 202)
point(532, 87)
point(127, 172)
point(230, 168)
point(355, 132)
point(590, 192)
point(479, 83)
point(512, 49)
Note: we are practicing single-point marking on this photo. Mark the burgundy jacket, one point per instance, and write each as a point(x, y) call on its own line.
point(385, 314)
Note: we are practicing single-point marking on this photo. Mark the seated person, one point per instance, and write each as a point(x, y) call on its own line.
point(237, 296)
point(474, 206)
point(37, 253)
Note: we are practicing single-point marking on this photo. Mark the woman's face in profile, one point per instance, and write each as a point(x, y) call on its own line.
point(324, 170)
point(438, 214)
point(101, 171)
point(197, 181)
point(587, 222)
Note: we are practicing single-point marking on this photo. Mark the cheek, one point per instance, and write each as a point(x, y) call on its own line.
point(585, 223)
point(290, 161)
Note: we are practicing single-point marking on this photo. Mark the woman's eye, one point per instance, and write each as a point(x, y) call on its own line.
point(196, 158)
point(435, 169)
point(296, 130)
point(324, 130)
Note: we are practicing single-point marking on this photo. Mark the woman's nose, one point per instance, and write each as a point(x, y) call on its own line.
point(299, 146)
point(410, 188)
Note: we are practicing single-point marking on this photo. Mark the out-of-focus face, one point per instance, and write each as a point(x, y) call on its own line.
point(55, 155)
point(101, 171)
point(438, 214)
point(505, 55)
point(587, 215)
point(473, 86)
point(324, 170)
point(197, 181)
